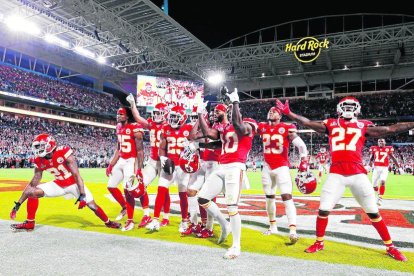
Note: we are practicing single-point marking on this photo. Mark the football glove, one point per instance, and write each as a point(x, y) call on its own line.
point(303, 166)
point(14, 210)
point(82, 201)
point(163, 159)
point(233, 96)
point(131, 100)
point(109, 170)
point(284, 108)
point(201, 108)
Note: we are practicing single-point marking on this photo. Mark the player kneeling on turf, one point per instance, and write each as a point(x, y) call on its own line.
point(61, 163)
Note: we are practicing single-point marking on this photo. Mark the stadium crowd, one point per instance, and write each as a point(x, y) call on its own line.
point(24, 82)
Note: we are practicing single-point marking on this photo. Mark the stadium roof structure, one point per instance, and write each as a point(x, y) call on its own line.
point(135, 36)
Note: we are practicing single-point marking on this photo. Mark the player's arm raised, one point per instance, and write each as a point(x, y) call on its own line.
point(241, 128)
point(135, 113)
point(301, 146)
point(205, 129)
point(380, 131)
point(316, 126)
point(196, 132)
point(139, 142)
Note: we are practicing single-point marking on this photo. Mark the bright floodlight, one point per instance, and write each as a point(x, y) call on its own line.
point(55, 40)
point(215, 78)
point(101, 60)
point(19, 24)
point(84, 52)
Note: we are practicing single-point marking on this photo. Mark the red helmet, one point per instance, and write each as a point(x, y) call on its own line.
point(306, 182)
point(43, 144)
point(136, 190)
point(348, 108)
point(189, 161)
point(177, 116)
point(159, 113)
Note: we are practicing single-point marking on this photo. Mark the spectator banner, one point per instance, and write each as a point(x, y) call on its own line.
point(152, 90)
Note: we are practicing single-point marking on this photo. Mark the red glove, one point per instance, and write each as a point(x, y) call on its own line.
point(109, 170)
point(82, 201)
point(284, 108)
point(14, 210)
point(140, 177)
point(304, 165)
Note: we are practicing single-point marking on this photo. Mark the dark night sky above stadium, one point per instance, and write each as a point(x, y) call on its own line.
point(215, 22)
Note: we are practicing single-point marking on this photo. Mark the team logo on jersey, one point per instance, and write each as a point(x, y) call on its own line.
point(360, 124)
point(60, 160)
point(186, 133)
point(168, 132)
point(128, 131)
point(281, 130)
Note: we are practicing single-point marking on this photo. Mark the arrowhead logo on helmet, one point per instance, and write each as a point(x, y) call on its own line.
point(306, 182)
point(177, 116)
point(189, 161)
point(43, 144)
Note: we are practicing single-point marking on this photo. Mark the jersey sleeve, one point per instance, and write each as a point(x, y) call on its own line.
point(65, 151)
point(391, 149)
point(371, 149)
point(369, 123)
point(291, 128)
point(260, 128)
point(252, 123)
point(36, 163)
point(137, 128)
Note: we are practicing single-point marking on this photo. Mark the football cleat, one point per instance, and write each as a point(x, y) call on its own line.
point(379, 201)
point(121, 214)
point(154, 225)
point(113, 224)
point(183, 226)
point(225, 231)
point(165, 222)
point(232, 253)
point(293, 237)
point(129, 225)
point(205, 233)
point(396, 254)
point(317, 246)
point(145, 220)
point(271, 231)
point(24, 226)
point(198, 228)
point(188, 231)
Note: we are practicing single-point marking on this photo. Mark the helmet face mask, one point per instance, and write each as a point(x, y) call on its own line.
point(348, 108)
point(323, 150)
point(158, 116)
point(174, 119)
point(193, 118)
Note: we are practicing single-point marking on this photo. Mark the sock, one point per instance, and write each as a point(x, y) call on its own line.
point(215, 212)
point(145, 203)
point(203, 214)
point(235, 222)
point(101, 214)
point(130, 205)
point(159, 201)
point(167, 203)
point(382, 230)
point(271, 208)
point(210, 222)
point(32, 205)
point(290, 210)
point(193, 209)
point(183, 205)
point(116, 193)
point(292, 229)
point(321, 223)
point(376, 188)
point(320, 174)
point(381, 190)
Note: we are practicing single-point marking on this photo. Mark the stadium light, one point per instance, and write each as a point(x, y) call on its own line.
point(215, 78)
point(84, 52)
point(101, 60)
point(56, 40)
point(19, 24)
point(377, 64)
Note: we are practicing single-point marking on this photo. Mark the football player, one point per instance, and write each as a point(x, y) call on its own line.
point(236, 137)
point(129, 149)
point(322, 158)
point(380, 156)
point(347, 136)
point(277, 137)
point(61, 163)
point(152, 169)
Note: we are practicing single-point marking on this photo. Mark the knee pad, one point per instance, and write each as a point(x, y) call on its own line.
point(286, 197)
point(232, 210)
point(270, 196)
point(203, 201)
point(323, 213)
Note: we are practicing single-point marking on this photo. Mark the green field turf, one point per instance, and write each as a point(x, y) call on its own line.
point(63, 213)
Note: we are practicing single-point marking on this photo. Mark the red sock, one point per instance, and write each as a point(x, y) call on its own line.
point(101, 214)
point(321, 223)
point(144, 200)
point(116, 193)
point(183, 204)
point(376, 189)
point(203, 215)
point(382, 230)
point(32, 204)
point(167, 203)
point(159, 201)
point(320, 174)
point(381, 190)
point(130, 205)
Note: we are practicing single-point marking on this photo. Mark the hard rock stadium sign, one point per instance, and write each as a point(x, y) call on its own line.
point(307, 49)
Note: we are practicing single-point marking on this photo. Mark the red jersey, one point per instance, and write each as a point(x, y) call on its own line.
point(57, 166)
point(155, 138)
point(210, 154)
point(234, 148)
point(381, 155)
point(126, 140)
point(175, 138)
point(276, 143)
point(322, 157)
point(346, 140)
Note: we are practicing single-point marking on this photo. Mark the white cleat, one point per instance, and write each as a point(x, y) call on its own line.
point(121, 214)
point(379, 201)
point(293, 237)
point(183, 226)
point(128, 226)
point(225, 231)
point(154, 225)
point(271, 231)
point(232, 253)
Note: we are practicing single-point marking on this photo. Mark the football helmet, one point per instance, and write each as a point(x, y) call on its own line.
point(177, 116)
point(189, 160)
point(348, 108)
point(160, 112)
point(306, 182)
point(43, 144)
point(193, 115)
